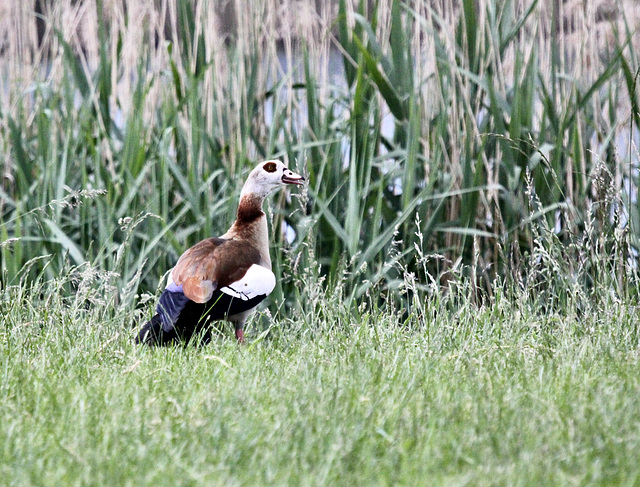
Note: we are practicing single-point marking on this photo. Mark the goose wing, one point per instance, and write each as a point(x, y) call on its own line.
point(214, 263)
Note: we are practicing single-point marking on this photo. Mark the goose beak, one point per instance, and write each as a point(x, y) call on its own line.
point(290, 177)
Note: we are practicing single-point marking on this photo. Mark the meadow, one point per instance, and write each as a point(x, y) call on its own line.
point(457, 283)
point(500, 395)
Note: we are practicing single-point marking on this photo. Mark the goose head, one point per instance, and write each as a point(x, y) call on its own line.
point(268, 176)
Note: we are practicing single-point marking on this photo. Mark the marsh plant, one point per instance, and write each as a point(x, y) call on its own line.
point(127, 128)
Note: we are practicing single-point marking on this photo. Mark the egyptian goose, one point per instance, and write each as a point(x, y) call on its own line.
point(225, 277)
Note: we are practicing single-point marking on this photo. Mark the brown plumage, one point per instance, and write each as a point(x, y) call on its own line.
point(225, 277)
point(211, 264)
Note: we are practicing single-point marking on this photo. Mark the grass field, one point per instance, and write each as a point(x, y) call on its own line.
point(457, 297)
point(497, 395)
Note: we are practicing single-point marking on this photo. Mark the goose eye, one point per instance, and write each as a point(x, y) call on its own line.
point(270, 167)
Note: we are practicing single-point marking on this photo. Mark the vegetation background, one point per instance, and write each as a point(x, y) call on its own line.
point(457, 288)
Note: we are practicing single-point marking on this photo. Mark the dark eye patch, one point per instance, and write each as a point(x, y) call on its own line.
point(270, 167)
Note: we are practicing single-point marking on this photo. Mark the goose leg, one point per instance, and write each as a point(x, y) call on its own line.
point(239, 335)
point(238, 323)
point(239, 326)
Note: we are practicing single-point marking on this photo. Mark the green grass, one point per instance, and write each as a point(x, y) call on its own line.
point(455, 394)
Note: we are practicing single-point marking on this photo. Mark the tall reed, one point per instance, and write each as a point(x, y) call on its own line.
point(127, 129)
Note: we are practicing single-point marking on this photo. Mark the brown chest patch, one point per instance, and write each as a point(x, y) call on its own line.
point(249, 210)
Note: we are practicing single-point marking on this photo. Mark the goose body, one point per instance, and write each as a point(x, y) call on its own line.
point(222, 278)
